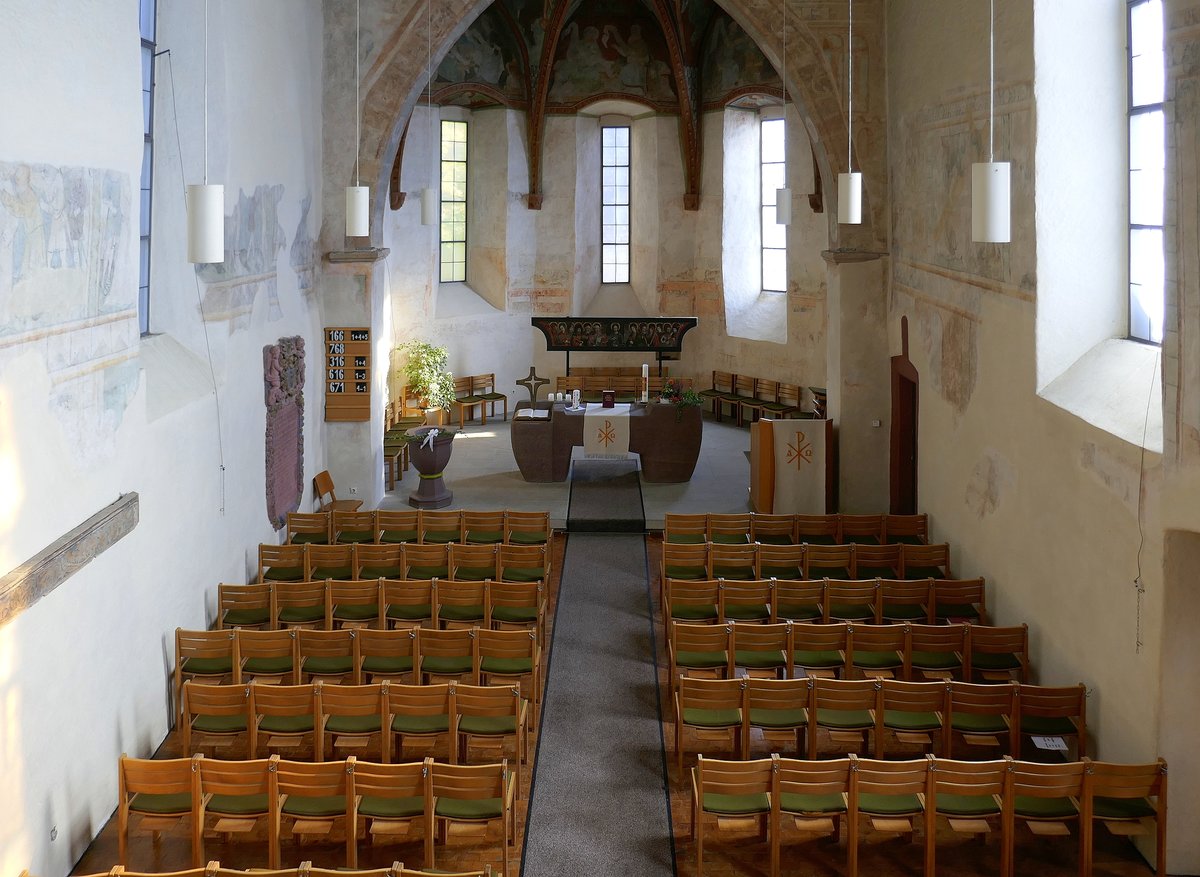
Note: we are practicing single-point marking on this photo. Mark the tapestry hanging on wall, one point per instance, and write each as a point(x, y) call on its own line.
point(283, 377)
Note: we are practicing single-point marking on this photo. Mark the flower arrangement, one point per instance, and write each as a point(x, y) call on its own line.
point(671, 390)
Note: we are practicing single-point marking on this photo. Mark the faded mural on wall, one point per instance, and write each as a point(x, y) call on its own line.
point(305, 251)
point(487, 54)
point(67, 292)
point(253, 241)
point(283, 387)
point(733, 63)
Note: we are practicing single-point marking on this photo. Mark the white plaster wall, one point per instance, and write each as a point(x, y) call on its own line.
point(487, 148)
point(586, 283)
point(100, 646)
point(651, 196)
point(741, 241)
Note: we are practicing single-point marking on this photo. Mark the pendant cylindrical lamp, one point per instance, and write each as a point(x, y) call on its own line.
point(358, 211)
point(991, 213)
point(206, 223)
point(850, 198)
point(783, 206)
point(429, 207)
point(850, 183)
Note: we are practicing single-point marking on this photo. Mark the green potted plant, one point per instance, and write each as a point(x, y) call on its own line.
point(426, 376)
point(684, 400)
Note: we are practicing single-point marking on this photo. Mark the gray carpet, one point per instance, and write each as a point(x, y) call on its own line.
point(606, 497)
point(599, 803)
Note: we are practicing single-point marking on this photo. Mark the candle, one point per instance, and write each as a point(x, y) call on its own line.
point(645, 382)
point(645, 370)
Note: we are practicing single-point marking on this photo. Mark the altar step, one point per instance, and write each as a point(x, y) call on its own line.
point(606, 497)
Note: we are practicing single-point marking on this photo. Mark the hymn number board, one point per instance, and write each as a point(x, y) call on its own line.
point(348, 374)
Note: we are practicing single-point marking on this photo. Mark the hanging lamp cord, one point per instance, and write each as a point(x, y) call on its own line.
point(991, 80)
point(357, 102)
point(850, 93)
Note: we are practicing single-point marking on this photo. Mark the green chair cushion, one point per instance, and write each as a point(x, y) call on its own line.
point(356, 612)
point(748, 612)
point(851, 611)
point(485, 537)
point(353, 724)
point(316, 806)
point(391, 808)
point(514, 614)
point(268, 666)
point(966, 805)
point(309, 539)
point(766, 718)
point(301, 614)
point(979, 723)
point(341, 573)
point(385, 665)
point(956, 610)
point(435, 724)
point(845, 720)
point(523, 537)
point(693, 612)
point(506, 666)
point(819, 660)
point(286, 724)
point(831, 802)
point(1044, 808)
point(701, 660)
point(861, 539)
point(1048, 726)
point(905, 540)
point(793, 573)
point(246, 617)
point(889, 805)
point(829, 572)
point(736, 573)
point(935, 661)
point(1105, 807)
point(904, 612)
point(441, 537)
point(687, 539)
point(731, 538)
point(219, 724)
point(410, 611)
point(474, 573)
point(903, 720)
point(487, 725)
point(995, 661)
point(446, 665)
point(756, 660)
point(328, 665)
point(469, 400)
point(737, 805)
point(875, 572)
point(523, 573)
point(800, 611)
point(492, 397)
point(472, 809)
point(817, 539)
point(394, 536)
point(349, 537)
point(924, 572)
point(238, 805)
point(208, 666)
point(688, 573)
point(710, 718)
point(472, 612)
point(392, 571)
point(878, 660)
point(774, 539)
point(428, 572)
point(162, 805)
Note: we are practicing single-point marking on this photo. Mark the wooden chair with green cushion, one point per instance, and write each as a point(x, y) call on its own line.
point(937, 651)
point(685, 529)
point(282, 563)
point(308, 528)
point(773, 529)
point(527, 528)
point(268, 655)
point(331, 562)
point(492, 713)
point(441, 526)
point(449, 655)
point(959, 600)
point(743, 391)
point(326, 496)
point(905, 600)
point(301, 604)
point(461, 604)
point(910, 529)
point(778, 708)
point(237, 794)
point(722, 385)
point(786, 404)
point(735, 793)
point(511, 656)
point(763, 650)
point(878, 650)
point(876, 561)
point(483, 528)
point(704, 650)
point(422, 711)
point(245, 606)
point(999, 654)
point(1125, 798)
point(1053, 711)
point(845, 710)
point(692, 602)
point(348, 713)
point(388, 801)
point(925, 561)
point(384, 560)
point(159, 791)
point(484, 386)
point(519, 605)
point(385, 654)
point(311, 796)
point(283, 715)
point(466, 399)
point(426, 561)
point(352, 527)
point(683, 561)
point(798, 600)
point(820, 649)
point(524, 563)
point(327, 655)
point(816, 529)
point(853, 600)
point(732, 561)
point(406, 602)
point(746, 601)
point(780, 561)
point(891, 794)
point(220, 712)
point(473, 794)
point(472, 563)
point(860, 529)
point(733, 529)
point(965, 793)
point(207, 655)
point(912, 712)
point(1046, 796)
point(983, 714)
point(814, 794)
point(828, 561)
point(395, 525)
point(765, 392)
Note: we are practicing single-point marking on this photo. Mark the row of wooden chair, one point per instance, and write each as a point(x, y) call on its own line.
point(832, 529)
point(310, 562)
point(304, 869)
point(296, 656)
point(382, 603)
point(881, 601)
point(746, 394)
point(628, 388)
point(438, 526)
point(879, 711)
point(612, 371)
point(815, 796)
point(477, 391)
point(848, 650)
point(264, 716)
point(389, 799)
